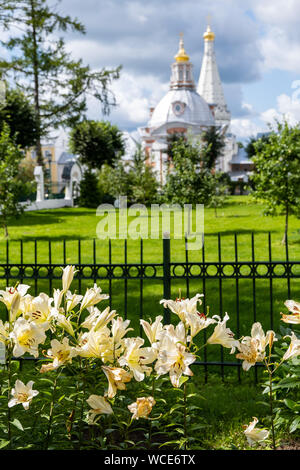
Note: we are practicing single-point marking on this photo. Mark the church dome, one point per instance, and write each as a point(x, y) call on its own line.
point(182, 106)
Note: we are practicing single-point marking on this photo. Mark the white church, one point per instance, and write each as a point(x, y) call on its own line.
point(190, 109)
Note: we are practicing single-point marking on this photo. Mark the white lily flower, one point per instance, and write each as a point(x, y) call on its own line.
point(153, 330)
point(99, 406)
point(223, 335)
point(92, 297)
point(57, 297)
point(117, 378)
point(176, 334)
point(252, 348)
point(11, 297)
point(142, 407)
point(97, 320)
point(119, 329)
point(135, 357)
point(27, 336)
point(61, 352)
point(97, 344)
point(173, 358)
point(253, 434)
point(182, 306)
point(249, 352)
point(4, 332)
point(22, 394)
point(198, 322)
point(38, 309)
point(62, 321)
point(72, 300)
point(293, 349)
point(294, 308)
point(67, 277)
point(263, 339)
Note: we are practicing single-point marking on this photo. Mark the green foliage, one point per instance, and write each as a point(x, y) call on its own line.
point(255, 145)
point(41, 61)
point(143, 180)
point(137, 181)
point(276, 177)
point(287, 388)
point(220, 188)
point(190, 180)
point(171, 140)
point(19, 113)
point(214, 144)
point(10, 158)
point(96, 143)
point(115, 181)
point(90, 195)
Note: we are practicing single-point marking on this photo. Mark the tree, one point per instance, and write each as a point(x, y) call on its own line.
point(189, 181)
point(214, 143)
point(254, 145)
point(90, 195)
point(19, 114)
point(219, 190)
point(96, 143)
point(10, 158)
point(277, 176)
point(143, 180)
point(57, 84)
point(171, 140)
point(114, 181)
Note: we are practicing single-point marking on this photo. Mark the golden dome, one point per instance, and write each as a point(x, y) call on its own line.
point(181, 55)
point(209, 35)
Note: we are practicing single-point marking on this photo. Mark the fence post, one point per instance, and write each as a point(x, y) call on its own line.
point(167, 276)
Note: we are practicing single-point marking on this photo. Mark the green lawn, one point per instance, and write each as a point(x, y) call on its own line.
point(240, 215)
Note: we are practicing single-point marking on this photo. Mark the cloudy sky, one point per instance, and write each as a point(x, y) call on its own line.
point(257, 47)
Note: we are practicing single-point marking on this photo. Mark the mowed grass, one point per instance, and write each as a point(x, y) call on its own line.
point(135, 299)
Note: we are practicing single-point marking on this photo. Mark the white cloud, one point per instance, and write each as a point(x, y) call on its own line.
point(279, 24)
point(277, 12)
point(245, 128)
point(280, 51)
point(288, 107)
point(134, 98)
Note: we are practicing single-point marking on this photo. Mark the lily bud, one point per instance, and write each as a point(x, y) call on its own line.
point(271, 339)
point(67, 278)
point(15, 305)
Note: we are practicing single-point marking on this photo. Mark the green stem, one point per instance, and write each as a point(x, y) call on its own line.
point(185, 415)
point(150, 425)
point(51, 412)
point(272, 412)
point(127, 429)
point(8, 396)
point(84, 371)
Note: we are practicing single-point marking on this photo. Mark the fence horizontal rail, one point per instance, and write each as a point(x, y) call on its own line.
point(209, 270)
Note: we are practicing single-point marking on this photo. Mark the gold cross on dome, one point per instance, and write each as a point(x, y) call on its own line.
point(208, 19)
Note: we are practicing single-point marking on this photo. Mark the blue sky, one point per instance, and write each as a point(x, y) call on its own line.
point(257, 47)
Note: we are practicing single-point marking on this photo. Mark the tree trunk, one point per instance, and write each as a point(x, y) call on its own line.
point(39, 154)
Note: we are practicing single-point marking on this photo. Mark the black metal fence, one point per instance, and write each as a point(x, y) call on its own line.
point(234, 284)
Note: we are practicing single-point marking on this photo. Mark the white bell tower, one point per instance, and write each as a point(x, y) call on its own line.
point(209, 85)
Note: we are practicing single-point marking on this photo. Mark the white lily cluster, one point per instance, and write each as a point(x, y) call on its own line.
point(80, 329)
